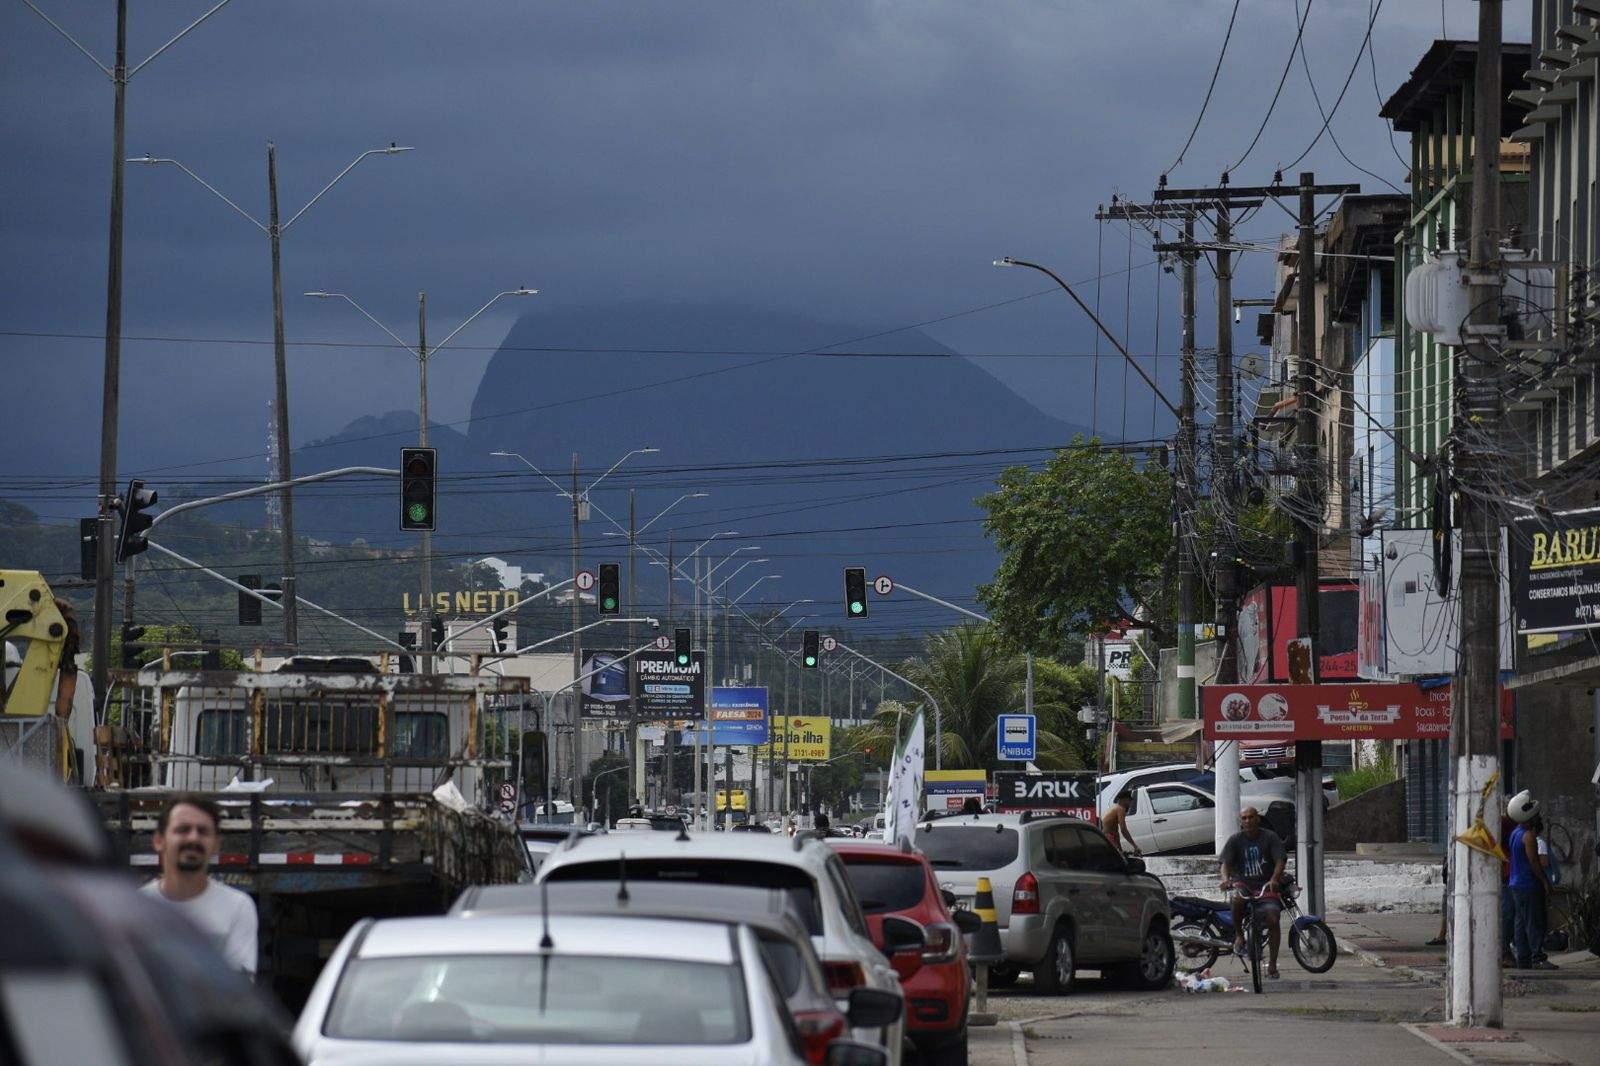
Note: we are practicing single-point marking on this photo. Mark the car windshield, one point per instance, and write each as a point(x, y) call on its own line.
point(533, 999)
point(791, 880)
point(967, 847)
point(886, 886)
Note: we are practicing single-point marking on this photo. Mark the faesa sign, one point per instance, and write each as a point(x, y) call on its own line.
point(1070, 792)
point(456, 604)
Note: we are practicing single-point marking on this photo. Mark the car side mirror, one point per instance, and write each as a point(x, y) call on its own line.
point(903, 944)
point(966, 921)
point(873, 1008)
point(855, 1053)
point(1135, 864)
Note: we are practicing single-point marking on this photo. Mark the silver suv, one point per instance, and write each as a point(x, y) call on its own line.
point(1064, 896)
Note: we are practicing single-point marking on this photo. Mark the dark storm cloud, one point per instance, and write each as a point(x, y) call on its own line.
point(863, 160)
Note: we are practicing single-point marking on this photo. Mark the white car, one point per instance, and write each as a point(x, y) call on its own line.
point(802, 866)
point(573, 989)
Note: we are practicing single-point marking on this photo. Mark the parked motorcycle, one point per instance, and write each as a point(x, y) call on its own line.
point(1204, 932)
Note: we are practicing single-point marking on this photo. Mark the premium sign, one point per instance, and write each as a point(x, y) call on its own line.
point(1329, 712)
point(663, 689)
point(1070, 792)
point(738, 717)
point(1555, 571)
point(808, 738)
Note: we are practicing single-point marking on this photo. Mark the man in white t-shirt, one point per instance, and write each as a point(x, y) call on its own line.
point(188, 836)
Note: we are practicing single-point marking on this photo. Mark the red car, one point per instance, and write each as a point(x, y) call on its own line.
point(899, 881)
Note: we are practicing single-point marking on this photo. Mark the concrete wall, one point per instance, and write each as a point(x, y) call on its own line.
point(1374, 817)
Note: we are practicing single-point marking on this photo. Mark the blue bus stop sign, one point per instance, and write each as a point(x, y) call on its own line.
point(1017, 738)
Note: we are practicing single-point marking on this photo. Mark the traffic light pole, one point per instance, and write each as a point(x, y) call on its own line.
point(938, 712)
point(426, 640)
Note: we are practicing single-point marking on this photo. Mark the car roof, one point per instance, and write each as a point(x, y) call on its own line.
point(853, 849)
point(762, 908)
point(1008, 819)
point(748, 847)
point(570, 934)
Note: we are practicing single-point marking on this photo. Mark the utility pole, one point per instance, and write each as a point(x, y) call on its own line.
point(426, 641)
point(1308, 535)
point(574, 700)
point(1184, 487)
point(669, 735)
point(1225, 754)
point(111, 388)
point(631, 727)
point(280, 367)
point(1474, 985)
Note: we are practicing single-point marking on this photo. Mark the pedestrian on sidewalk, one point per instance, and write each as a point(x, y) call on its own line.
point(1530, 883)
point(1115, 822)
point(1256, 856)
point(188, 836)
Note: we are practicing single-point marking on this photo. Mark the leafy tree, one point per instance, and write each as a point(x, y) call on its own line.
point(1082, 541)
point(613, 787)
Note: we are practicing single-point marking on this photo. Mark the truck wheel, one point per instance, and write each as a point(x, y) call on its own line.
point(1056, 971)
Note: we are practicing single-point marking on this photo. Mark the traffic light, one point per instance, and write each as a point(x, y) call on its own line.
point(436, 625)
point(249, 606)
point(501, 628)
point(681, 638)
point(810, 650)
point(855, 592)
point(211, 652)
point(418, 468)
point(131, 537)
point(405, 664)
point(131, 635)
point(88, 548)
point(609, 589)
point(533, 765)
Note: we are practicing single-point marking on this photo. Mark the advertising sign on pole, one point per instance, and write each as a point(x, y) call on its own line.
point(1361, 711)
point(1070, 792)
point(1016, 738)
point(738, 717)
point(947, 791)
point(1407, 629)
point(605, 694)
point(810, 738)
point(663, 689)
point(1555, 571)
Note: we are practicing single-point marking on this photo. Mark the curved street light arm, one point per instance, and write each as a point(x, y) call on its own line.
point(536, 470)
point(668, 507)
point(502, 612)
point(391, 150)
point(474, 316)
point(180, 35)
point(54, 25)
point(212, 189)
point(367, 315)
point(938, 712)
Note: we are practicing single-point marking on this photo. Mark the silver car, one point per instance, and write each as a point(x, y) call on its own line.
point(571, 989)
point(1064, 897)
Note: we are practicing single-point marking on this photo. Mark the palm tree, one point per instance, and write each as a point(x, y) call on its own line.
point(975, 678)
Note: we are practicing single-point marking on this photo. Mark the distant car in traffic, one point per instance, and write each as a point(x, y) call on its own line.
point(1065, 898)
point(502, 989)
point(803, 867)
point(900, 881)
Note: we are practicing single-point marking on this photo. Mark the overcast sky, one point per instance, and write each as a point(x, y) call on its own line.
point(862, 161)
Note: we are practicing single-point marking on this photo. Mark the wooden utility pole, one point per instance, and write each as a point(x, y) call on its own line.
point(1474, 987)
point(280, 411)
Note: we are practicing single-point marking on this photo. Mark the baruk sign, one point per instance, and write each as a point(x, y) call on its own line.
point(1070, 792)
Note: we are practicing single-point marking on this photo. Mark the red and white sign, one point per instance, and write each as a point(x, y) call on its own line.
point(663, 644)
point(882, 585)
point(829, 643)
point(584, 580)
point(1331, 712)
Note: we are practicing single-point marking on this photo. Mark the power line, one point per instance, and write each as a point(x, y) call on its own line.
point(1204, 104)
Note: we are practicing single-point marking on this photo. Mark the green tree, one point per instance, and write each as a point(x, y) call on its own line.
point(1082, 541)
point(613, 787)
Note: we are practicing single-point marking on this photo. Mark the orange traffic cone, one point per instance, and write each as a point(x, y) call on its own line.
point(985, 950)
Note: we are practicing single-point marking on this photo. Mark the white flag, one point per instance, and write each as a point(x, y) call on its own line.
point(905, 787)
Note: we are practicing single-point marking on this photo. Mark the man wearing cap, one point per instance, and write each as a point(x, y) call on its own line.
point(1529, 882)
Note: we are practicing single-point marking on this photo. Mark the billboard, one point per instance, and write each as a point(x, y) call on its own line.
point(604, 695)
point(947, 791)
point(1268, 623)
point(1406, 628)
point(809, 738)
point(1070, 792)
point(1361, 711)
point(738, 717)
point(663, 689)
point(1555, 571)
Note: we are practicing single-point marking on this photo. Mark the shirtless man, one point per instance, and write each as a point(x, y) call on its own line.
point(1115, 822)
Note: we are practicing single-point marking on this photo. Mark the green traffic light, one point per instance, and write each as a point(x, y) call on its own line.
point(610, 604)
point(417, 512)
point(683, 660)
point(856, 607)
point(811, 660)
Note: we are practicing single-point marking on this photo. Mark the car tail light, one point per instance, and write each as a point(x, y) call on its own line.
point(942, 941)
point(843, 976)
point(1025, 897)
point(819, 1028)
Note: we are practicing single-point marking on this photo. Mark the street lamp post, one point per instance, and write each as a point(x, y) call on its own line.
point(274, 231)
point(422, 354)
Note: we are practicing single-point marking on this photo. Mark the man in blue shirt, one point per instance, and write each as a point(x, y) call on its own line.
point(1529, 881)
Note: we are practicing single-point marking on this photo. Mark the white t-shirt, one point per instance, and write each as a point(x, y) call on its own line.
point(224, 914)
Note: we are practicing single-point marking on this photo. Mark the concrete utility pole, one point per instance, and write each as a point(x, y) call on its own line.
point(426, 640)
point(1474, 989)
point(577, 620)
point(1310, 490)
point(635, 750)
point(1225, 754)
point(1184, 487)
point(280, 407)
